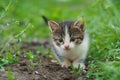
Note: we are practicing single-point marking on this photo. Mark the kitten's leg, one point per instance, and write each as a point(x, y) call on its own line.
point(78, 62)
point(66, 63)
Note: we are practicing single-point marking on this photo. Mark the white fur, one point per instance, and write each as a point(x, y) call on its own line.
point(76, 52)
point(67, 37)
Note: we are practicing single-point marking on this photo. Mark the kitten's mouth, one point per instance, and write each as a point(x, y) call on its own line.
point(67, 48)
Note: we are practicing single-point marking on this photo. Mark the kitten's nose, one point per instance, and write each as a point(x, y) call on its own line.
point(67, 47)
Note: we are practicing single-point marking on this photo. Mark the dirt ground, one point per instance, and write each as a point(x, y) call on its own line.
point(49, 69)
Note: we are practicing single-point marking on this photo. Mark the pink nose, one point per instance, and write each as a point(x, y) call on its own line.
point(66, 47)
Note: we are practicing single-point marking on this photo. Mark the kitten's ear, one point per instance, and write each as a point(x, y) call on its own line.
point(53, 25)
point(80, 23)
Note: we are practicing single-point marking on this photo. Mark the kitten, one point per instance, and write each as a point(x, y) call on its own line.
point(70, 42)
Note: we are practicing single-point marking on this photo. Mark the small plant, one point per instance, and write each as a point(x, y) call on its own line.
point(11, 58)
point(30, 55)
point(31, 58)
point(32, 64)
point(10, 75)
point(41, 62)
point(76, 72)
point(3, 62)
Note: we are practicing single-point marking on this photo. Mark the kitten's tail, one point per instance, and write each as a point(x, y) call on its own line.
point(45, 19)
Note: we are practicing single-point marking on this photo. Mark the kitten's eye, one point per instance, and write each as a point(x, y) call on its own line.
point(72, 39)
point(60, 40)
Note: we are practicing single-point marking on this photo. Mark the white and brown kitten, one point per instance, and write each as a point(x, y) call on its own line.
point(70, 42)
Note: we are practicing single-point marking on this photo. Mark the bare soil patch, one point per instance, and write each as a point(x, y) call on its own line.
point(43, 69)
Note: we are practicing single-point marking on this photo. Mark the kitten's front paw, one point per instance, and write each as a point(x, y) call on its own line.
point(65, 64)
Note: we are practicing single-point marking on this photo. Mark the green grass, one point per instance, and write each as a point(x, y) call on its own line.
point(20, 20)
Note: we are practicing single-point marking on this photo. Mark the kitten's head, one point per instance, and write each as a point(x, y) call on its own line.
point(67, 34)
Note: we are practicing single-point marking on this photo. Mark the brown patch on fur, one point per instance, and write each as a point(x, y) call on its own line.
point(57, 43)
point(78, 41)
point(77, 34)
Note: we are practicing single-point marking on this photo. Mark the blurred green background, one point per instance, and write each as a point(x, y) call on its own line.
point(21, 20)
